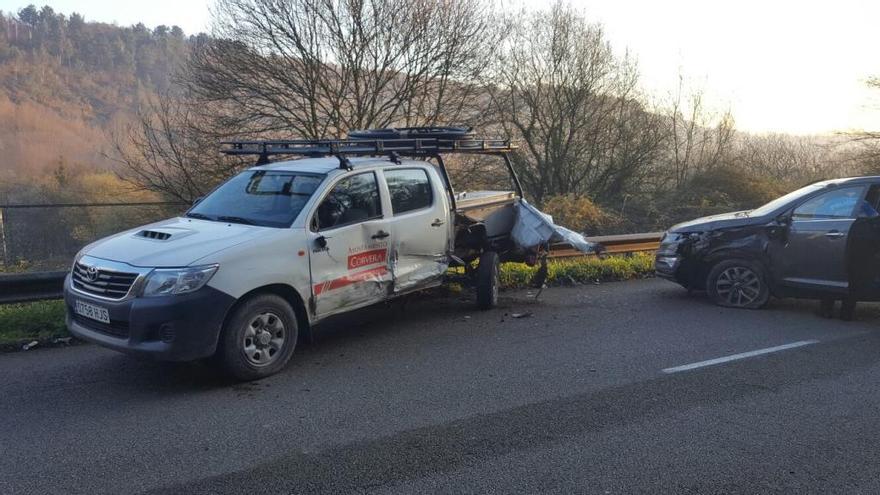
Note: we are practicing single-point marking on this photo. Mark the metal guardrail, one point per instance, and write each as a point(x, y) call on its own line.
point(39, 286)
point(25, 287)
point(614, 244)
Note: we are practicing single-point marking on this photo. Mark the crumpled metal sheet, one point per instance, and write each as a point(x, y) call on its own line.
point(534, 228)
point(414, 269)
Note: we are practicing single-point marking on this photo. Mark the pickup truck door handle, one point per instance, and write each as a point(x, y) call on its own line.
point(381, 235)
point(437, 222)
point(834, 234)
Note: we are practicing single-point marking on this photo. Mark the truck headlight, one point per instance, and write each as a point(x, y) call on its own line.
point(76, 258)
point(171, 281)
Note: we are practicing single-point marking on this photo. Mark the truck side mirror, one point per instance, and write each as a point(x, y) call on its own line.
point(321, 242)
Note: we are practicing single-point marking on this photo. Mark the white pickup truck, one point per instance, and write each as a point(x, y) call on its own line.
point(281, 246)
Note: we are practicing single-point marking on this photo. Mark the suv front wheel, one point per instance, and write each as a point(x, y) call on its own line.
point(738, 283)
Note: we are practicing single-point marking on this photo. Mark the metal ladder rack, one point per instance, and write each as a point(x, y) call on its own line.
point(365, 147)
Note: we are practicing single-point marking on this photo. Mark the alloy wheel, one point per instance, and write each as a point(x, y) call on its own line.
point(738, 285)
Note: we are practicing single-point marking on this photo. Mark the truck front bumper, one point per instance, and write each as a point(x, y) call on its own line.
point(172, 328)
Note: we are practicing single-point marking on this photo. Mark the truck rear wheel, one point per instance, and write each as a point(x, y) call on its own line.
point(258, 338)
point(488, 279)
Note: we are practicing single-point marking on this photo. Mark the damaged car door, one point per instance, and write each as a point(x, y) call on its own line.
point(813, 255)
point(419, 226)
point(349, 246)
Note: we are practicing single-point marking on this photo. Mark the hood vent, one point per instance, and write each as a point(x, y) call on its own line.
point(154, 235)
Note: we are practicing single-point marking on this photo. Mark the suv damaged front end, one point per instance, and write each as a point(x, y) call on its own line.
point(688, 252)
point(675, 258)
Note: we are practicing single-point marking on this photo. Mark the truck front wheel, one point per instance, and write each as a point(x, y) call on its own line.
point(258, 338)
point(488, 278)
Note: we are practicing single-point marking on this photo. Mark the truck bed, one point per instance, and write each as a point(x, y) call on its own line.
point(494, 210)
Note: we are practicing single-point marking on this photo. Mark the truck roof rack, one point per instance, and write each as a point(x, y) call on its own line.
point(412, 141)
point(391, 142)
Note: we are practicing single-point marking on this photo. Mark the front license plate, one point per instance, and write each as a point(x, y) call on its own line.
point(96, 313)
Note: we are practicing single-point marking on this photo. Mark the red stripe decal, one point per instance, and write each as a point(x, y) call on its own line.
point(364, 276)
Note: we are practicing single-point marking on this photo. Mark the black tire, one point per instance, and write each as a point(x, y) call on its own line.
point(738, 283)
point(488, 275)
point(258, 338)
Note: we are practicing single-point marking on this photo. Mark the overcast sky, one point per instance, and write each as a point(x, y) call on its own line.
point(787, 66)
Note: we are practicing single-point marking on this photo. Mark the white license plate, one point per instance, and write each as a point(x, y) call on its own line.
point(91, 311)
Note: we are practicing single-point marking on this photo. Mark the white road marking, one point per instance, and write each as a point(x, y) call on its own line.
point(734, 357)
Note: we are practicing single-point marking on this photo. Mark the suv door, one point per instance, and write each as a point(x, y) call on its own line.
point(863, 248)
point(814, 256)
point(418, 225)
point(349, 246)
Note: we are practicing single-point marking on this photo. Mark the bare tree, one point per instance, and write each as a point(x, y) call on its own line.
point(317, 68)
point(864, 146)
point(795, 160)
point(558, 87)
point(171, 150)
point(698, 139)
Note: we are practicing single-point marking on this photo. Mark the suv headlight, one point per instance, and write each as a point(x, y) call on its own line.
point(671, 242)
point(172, 281)
point(669, 245)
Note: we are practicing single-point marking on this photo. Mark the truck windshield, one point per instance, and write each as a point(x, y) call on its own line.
point(258, 197)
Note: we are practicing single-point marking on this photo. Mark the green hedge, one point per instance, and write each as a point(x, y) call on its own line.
point(571, 271)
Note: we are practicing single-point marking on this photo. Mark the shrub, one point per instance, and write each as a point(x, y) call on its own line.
point(31, 321)
point(579, 213)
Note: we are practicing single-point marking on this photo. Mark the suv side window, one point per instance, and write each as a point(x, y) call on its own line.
point(353, 199)
point(410, 189)
point(839, 203)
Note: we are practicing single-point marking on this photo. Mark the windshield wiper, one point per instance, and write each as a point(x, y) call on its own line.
point(200, 216)
point(225, 218)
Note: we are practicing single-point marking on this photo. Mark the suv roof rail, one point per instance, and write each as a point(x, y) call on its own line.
point(413, 141)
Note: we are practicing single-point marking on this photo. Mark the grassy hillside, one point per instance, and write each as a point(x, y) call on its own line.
point(65, 83)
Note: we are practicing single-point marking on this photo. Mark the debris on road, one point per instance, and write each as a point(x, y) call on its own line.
point(521, 315)
point(30, 345)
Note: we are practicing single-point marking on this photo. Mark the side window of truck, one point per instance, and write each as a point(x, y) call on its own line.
point(410, 189)
point(353, 199)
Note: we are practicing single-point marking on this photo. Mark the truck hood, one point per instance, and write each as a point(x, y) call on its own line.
point(174, 242)
point(722, 221)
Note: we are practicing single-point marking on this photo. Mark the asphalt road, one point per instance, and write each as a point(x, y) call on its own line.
point(434, 397)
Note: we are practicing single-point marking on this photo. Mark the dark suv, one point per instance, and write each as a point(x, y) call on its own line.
point(821, 241)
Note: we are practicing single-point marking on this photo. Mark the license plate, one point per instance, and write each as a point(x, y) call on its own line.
point(96, 313)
